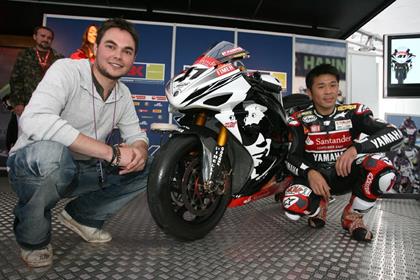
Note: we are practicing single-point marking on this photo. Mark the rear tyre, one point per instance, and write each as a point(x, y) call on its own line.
point(178, 200)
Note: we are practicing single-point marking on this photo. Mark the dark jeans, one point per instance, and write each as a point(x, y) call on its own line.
point(44, 172)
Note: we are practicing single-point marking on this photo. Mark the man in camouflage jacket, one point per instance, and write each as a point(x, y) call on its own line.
point(29, 69)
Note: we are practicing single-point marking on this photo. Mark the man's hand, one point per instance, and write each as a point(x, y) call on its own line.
point(318, 184)
point(18, 109)
point(133, 157)
point(344, 162)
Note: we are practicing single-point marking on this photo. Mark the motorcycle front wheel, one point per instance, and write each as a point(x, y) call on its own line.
point(179, 202)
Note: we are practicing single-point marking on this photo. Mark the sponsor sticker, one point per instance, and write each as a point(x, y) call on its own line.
point(315, 128)
point(327, 142)
point(298, 189)
point(366, 185)
point(207, 61)
point(230, 124)
point(232, 51)
point(224, 69)
point(346, 107)
point(289, 201)
point(292, 121)
point(305, 113)
point(362, 109)
point(343, 125)
point(309, 118)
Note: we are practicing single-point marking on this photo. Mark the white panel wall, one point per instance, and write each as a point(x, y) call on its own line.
point(365, 76)
point(363, 80)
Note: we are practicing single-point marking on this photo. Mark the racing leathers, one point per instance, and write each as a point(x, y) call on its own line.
point(317, 142)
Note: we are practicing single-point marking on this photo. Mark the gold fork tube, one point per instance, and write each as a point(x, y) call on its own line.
point(222, 137)
point(201, 119)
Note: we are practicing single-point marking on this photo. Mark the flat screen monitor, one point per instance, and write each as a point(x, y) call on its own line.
point(402, 65)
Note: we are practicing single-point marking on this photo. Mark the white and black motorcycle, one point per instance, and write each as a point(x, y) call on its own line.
point(228, 149)
point(402, 62)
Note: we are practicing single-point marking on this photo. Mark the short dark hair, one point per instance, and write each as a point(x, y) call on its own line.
point(121, 24)
point(43, 27)
point(321, 70)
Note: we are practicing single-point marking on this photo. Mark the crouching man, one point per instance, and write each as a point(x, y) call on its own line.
point(326, 157)
point(63, 150)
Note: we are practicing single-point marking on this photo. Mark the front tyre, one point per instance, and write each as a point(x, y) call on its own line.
point(178, 200)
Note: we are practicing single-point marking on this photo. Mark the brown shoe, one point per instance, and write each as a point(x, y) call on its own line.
point(319, 220)
point(353, 222)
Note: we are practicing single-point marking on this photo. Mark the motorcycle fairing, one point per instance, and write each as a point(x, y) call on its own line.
point(215, 85)
point(259, 147)
point(192, 97)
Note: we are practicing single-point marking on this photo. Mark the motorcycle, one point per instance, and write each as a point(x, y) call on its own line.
point(228, 148)
point(401, 62)
point(409, 130)
point(406, 180)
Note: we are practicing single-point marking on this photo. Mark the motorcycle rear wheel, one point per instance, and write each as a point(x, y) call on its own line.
point(177, 199)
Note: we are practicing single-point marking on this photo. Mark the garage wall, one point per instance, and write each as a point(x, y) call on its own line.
point(366, 86)
point(363, 80)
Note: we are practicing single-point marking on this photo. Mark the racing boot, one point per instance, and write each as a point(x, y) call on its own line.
point(319, 220)
point(352, 221)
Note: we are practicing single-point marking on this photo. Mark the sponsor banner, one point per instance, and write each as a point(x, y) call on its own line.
point(310, 52)
point(145, 72)
point(141, 97)
point(305, 62)
point(271, 52)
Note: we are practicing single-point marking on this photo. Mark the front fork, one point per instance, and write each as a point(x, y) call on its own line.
point(212, 170)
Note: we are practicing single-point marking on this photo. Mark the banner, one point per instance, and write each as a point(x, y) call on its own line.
point(270, 53)
point(310, 52)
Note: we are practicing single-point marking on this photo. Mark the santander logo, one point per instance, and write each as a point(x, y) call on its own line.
point(328, 142)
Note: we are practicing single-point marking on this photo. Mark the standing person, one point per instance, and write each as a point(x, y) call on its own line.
point(29, 69)
point(88, 41)
point(326, 157)
point(62, 151)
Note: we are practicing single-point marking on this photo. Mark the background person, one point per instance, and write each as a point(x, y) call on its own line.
point(29, 69)
point(88, 40)
point(62, 151)
point(326, 157)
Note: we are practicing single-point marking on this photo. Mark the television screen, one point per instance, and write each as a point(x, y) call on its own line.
point(402, 65)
